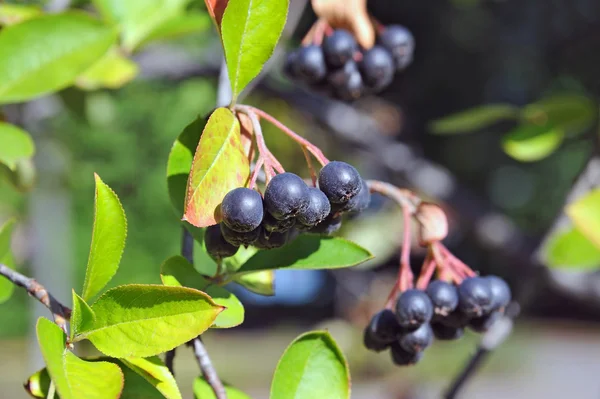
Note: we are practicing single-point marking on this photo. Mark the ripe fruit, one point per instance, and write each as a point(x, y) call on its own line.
point(353, 89)
point(242, 209)
point(215, 243)
point(361, 201)
point(339, 181)
point(330, 225)
point(417, 340)
point(289, 67)
point(475, 297)
point(483, 323)
point(237, 238)
point(401, 357)
point(317, 210)
point(443, 295)
point(413, 309)
point(310, 64)
point(286, 196)
point(501, 294)
point(268, 240)
point(340, 77)
point(446, 333)
point(384, 327)
point(377, 68)
point(339, 47)
point(272, 225)
point(400, 43)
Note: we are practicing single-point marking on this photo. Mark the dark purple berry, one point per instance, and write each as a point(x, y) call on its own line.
point(215, 243)
point(444, 297)
point(238, 239)
point(358, 203)
point(339, 48)
point(400, 43)
point(417, 340)
point(242, 209)
point(339, 181)
point(413, 308)
point(456, 319)
point(268, 240)
point(289, 67)
point(401, 357)
point(310, 64)
point(340, 77)
point(501, 294)
point(272, 225)
point(372, 343)
point(377, 68)
point(286, 196)
point(483, 323)
point(317, 210)
point(475, 297)
point(352, 90)
point(446, 333)
point(384, 326)
point(328, 226)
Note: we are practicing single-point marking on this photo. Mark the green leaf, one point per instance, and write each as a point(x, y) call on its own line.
point(23, 177)
point(153, 370)
point(16, 145)
point(572, 113)
point(474, 119)
point(250, 30)
point(111, 71)
point(178, 272)
point(145, 320)
point(181, 25)
point(571, 249)
point(82, 315)
point(585, 214)
point(202, 390)
point(529, 143)
point(46, 54)
point(75, 378)
point(312, 367)
point(137, 19)
point(6, 287)
point(11, 14)
point(219, 166)
point(108, 240)
point(309, 252)
point(262, 283)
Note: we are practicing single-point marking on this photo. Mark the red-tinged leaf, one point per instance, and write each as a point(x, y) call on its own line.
point(220, 165)
point(216, 9)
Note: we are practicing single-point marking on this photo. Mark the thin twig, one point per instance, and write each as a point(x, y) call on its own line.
point(406, 277)
point(208, 370)
point(60, 312)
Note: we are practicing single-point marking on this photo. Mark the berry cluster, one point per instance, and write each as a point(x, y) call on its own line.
point(340, 69)
point(442, 310)
point(289, 207)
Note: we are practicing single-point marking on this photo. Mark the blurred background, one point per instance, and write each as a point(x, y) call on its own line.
point(503, 186)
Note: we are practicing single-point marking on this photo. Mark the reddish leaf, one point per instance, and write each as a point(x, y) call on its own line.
point(220, 165)
point(216, 9)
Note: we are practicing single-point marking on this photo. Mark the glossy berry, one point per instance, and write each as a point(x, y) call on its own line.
point(340, 77)
point(352, 90)
point(339, 181)
point(372, 343)
point(402, 357)
point(272, 225)
point(413, 308)
point(289, 67)
point(215, 243)
point(317, 210)
point(501, 294)
point(483, 323)
point(310, 64)
point(417, 340)
point(377, 68)
point(475, 297)
point(446, 333)
point(444, 297)
point(384, 327)
point(400, 43)
point(456, 319)
point(339, 48)
point(242, 209)
point(268, 240)
point(286, 196)
point(236, 238)
point(361, 201)
point(330, 225)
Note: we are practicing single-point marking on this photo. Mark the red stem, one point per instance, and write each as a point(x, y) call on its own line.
point(311, 169)
point(458, 264)
point(429, 266)
point(256, 172)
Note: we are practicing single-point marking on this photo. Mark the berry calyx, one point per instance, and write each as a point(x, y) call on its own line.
point(475, 297)
point(216, 245)
point(339, 48)
point(444, 297)
point(238, 239)
point(417, 340)
point(413, 308)
point(339, 181)
point(310, 64)
point(400, 43)
point(377, 68)
point(317, 210)
point(242, 209)
point(286, 196)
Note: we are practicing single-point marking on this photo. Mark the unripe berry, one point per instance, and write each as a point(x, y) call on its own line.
point(433, 223)
point(242, 209)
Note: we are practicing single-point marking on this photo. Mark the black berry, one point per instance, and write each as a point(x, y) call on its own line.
point(317, 210)
point(286, 196)
point(215, 243)
point(483, 323)
point(268, 240)
point(339, 181)
point(352, 90)
point(444, 297)
point(236, 238)
point(272, 225)
point(289, 67)
point(456, 319)
point(372, 343)
point(446, 333)
point(475, 297)
point(310, 64)
point(377, 68)
point(400, 43)
point(330, 225)
point(501, 294)
point(417, 340)
point(413, 308)
point(339, 48)
point(402, 357)
point(384, 326)
point(242, 209)
point(340, 77)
